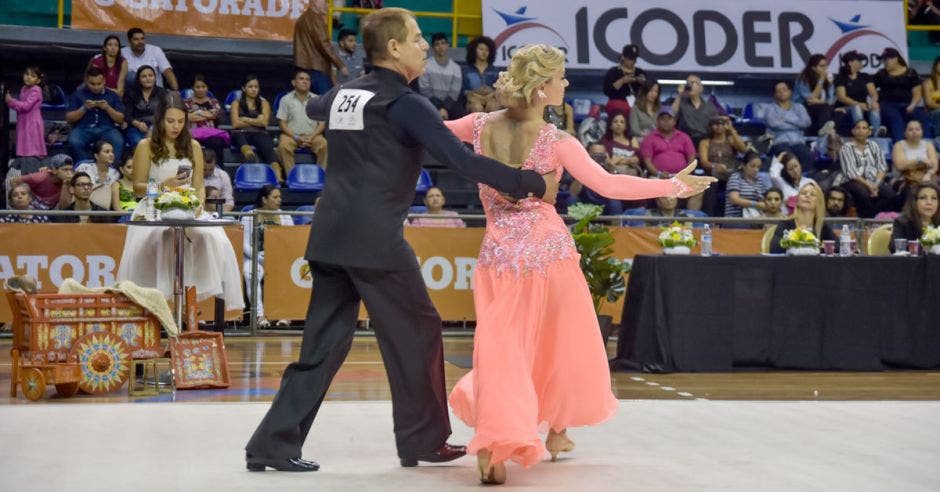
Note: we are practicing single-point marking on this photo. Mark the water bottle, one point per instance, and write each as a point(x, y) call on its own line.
point(152, 193)
point(845, 241)
point(707, 240)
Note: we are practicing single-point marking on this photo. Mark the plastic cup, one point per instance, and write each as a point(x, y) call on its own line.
point(900, 245)
point(829, 247)
point(913, 247)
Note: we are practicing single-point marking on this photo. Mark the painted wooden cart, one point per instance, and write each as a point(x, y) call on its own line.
point(78, 341)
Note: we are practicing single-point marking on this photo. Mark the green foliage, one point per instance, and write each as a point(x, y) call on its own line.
point(603, 273)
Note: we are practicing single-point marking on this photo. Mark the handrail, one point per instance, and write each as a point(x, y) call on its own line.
point(453, 16)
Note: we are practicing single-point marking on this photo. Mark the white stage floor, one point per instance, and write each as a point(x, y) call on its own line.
point(649, 445)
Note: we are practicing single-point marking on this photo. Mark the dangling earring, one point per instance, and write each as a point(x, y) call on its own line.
point(541, 94)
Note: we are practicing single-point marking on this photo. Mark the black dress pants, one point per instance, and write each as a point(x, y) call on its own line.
point(408, 330)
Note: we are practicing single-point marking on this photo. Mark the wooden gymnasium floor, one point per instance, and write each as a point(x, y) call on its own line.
point(256, 364)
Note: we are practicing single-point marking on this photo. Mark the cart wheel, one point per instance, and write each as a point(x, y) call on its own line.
point(66, 390)
point(34, 383)
point(104, 362)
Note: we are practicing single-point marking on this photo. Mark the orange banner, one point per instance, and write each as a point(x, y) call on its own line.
point(89, 253)
point(270, 20)
point(447, 258)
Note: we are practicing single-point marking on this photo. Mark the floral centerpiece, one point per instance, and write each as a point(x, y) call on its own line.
point(800, 242)
point(677, 239)
point(930, 240)
point(178, 203)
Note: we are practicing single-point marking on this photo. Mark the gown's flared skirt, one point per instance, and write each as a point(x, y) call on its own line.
point(210, 263)
point(538, 362)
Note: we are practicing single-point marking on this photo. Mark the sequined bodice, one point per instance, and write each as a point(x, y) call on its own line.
point(527, 235)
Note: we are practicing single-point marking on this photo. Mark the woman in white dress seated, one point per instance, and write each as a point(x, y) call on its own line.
point(172, 158)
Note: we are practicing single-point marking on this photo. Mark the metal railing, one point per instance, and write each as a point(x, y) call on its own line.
point(453, 15)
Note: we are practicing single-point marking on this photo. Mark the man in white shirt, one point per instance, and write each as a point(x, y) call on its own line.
point(138, 53)
point(442, 79)
point(217, 178)
point(298, 130)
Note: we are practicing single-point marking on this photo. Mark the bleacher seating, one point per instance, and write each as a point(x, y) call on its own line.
point(424, 182)
point(303, 219)
point(306, 177)
point(252, 177)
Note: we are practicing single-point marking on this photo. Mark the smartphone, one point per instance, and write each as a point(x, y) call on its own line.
point(185, 169)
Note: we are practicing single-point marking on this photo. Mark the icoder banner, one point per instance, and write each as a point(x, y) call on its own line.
point(447, 258)
point(268, 20)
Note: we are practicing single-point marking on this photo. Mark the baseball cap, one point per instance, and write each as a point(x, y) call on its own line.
point(666, 112)
point(890, 53)
point(852, 55)
point(630, 51)
point(58, 161)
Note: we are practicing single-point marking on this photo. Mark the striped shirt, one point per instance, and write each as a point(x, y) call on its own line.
point(747, 190)
point(863, 163)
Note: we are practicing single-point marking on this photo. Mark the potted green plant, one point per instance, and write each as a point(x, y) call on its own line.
point(603, 272)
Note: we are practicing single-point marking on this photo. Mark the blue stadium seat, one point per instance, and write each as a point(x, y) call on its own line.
point(417, 209)
point(83, 161)
point(581, 107)
point(424, 182)
point(306, 177)
point(277, 101)
point(303, 219)
point(59, 101)
point(885, 144)
point(230, 98)
point(251, 177)
point(248, 208)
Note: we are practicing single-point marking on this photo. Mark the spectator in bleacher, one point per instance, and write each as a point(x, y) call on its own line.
point(268, 200)
point(718, 156)
point(923, 12)
point(814, 89)
point(856, 92)
point(30, 130)
point(81, 185)
point(140, 103)
point(122, 190)
point(666, 151)
point(49, 185)
point(562, 116)
point(920, 210)
point(112, 64)
point(863, 173)
point(20, 197)
point(250, 116)
point(298, 130)
point(593, 127)
point(442, 79)
point(214, 176)
point(810, 214)
point(644, 111)
point(102, 174)
point(786, 173)
point(95, 114)
point(139, 54)
point(915, 157)
point(351, 55)
point(204, 112)
point(692, 110)
point(786, 121)
point(931, 90)
point(479, 76)
point(313, 51)
point(837, 202)
point(434, 201)
point(773, 197)
point(745, 190)
point(622, 148)
point(899, 93)
point(624, 80)
point(668, 207)
point(580, 193)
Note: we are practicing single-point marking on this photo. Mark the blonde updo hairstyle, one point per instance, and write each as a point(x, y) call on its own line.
point(530, 67)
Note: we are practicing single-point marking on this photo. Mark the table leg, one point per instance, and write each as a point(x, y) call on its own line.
point(178, 289)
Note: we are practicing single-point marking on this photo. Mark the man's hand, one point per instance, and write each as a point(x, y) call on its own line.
point(551, 188)
point(345, 71)
point(89, 104)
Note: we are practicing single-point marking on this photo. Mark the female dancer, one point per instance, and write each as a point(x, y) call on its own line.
point(537, 360)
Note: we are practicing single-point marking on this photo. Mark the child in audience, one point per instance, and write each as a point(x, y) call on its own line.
point(30, 141)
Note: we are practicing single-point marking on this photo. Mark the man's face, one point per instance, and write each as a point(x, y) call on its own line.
point(64, 172)
point(835, 203)
point(666, 123)
point(82, 188)
point(95, 84)
point(301, 83)
point(348, 44)
point(694, 84)
point(628, 63)
point(782, 92)
point(598, 152)
point(138, 42)
point(208, 168)
point(440, 48)
point(413, 52)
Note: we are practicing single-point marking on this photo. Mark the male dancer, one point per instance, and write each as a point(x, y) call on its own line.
point(377, 129)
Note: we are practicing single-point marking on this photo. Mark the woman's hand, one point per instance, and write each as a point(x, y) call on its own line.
point(180, 179)
point(697, 184)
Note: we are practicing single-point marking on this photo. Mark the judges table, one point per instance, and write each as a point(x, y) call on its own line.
point(712, 314)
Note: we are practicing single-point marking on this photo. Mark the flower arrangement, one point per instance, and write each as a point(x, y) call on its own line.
point(800, 242)
point(930, 239)
point(182, 198)
point(677, 239)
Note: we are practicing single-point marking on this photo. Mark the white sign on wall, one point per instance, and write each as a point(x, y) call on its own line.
point(714, 36)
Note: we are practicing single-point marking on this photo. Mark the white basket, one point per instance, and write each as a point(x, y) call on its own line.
point(803, 251)
point(177, 214)
point(677, 250)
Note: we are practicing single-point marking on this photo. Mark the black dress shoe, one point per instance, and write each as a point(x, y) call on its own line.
point(440, 455)
point(256, 464)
